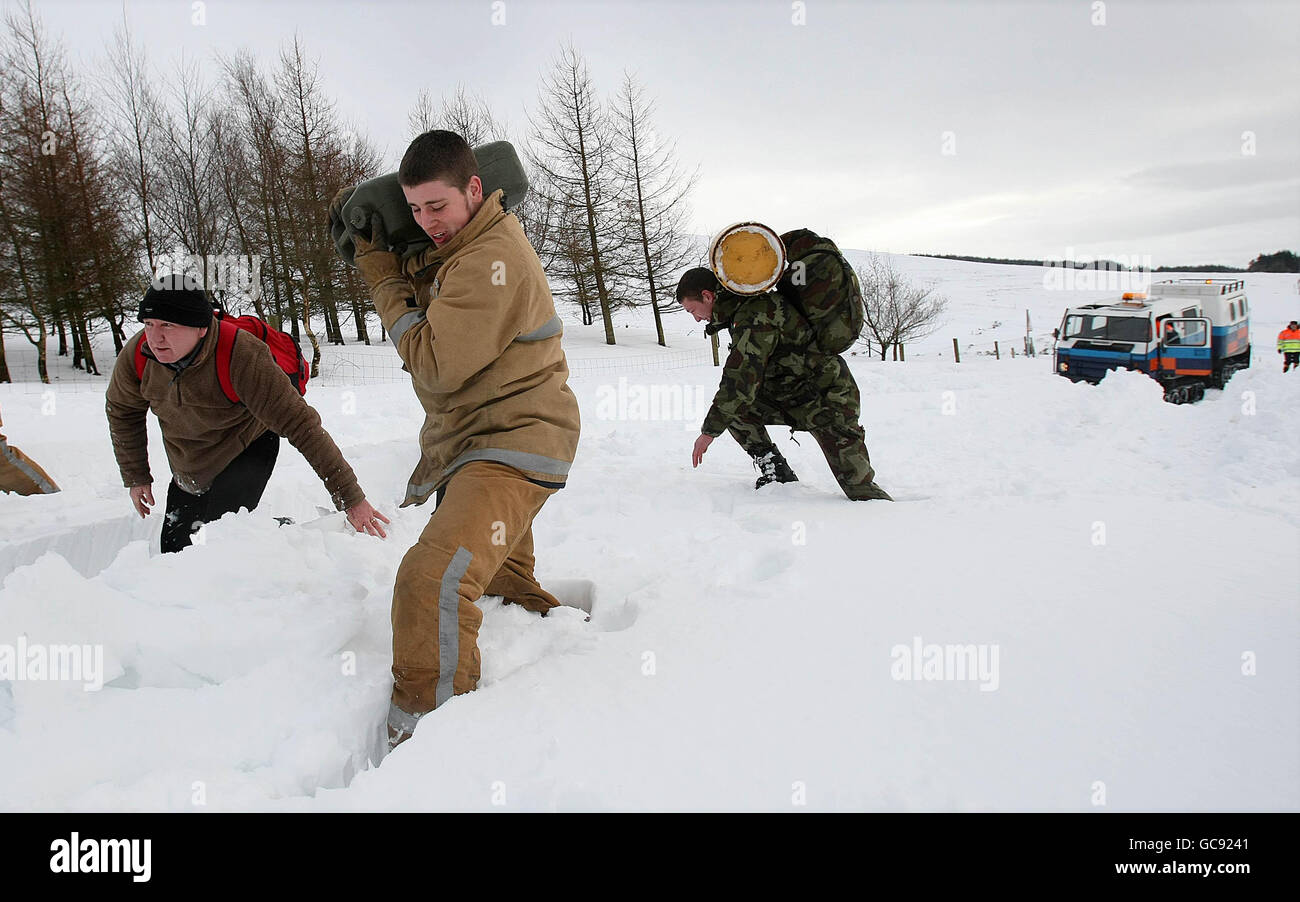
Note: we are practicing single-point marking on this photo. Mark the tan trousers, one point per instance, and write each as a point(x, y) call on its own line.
point(19, 473)
point(479, 541)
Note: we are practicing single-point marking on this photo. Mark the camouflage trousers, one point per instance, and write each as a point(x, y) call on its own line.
point(826, 404)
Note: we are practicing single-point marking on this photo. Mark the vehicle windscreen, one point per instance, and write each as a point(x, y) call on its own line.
point(1107, 328)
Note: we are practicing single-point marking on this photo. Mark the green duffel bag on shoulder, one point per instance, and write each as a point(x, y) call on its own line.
point(498, 168)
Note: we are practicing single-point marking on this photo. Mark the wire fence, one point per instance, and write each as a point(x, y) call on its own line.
point(353, 366)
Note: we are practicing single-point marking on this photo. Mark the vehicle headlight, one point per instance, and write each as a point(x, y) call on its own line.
point(1065, 367)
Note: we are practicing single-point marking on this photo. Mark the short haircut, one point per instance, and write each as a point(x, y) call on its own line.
point(694, 281)
point(438, 154)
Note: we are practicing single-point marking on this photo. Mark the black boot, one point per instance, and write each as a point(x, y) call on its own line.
point(772, 467)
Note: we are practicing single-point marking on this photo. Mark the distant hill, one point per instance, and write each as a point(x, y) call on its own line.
point(1100, 264)
point(1282, 261)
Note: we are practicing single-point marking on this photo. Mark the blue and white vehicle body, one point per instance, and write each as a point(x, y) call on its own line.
point(1188, 334)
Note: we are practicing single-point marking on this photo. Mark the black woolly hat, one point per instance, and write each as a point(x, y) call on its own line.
point(181, 305)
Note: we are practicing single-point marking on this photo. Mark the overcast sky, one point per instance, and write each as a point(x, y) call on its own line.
point(1122, 138)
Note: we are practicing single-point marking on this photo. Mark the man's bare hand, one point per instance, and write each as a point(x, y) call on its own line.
point(142, 499)
point(364, 518)
point(701, 445)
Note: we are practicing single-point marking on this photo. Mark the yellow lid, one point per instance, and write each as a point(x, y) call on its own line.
point(748, 257)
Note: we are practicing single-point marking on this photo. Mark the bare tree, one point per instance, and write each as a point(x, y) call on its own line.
point(537, 213)
point(897, 312)
point(28, 308)
point(571, 155)
point(254, 125)
point(422, 116)
point(107, 271)
point(133, 123)
point(652, 198)
point(469, 116)
point(296, 154)
point(357, 159)
point(311, 127)
point(189, 208)
point(465, 113)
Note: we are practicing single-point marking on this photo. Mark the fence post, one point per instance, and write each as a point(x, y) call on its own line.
point(956, 351)
point(997, 355)
point(713, 340)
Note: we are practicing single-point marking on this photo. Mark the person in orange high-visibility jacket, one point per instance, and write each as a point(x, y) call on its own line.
point(1288, 345)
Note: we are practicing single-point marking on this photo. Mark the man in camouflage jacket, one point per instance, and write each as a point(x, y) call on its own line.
point(773, 376)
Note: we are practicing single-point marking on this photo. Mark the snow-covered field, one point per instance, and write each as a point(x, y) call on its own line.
point(1124, 571)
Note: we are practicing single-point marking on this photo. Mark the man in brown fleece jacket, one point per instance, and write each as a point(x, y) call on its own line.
point(221, 452)
point(473, 320)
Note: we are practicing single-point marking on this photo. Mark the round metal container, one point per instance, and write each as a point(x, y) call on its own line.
point(753, 252)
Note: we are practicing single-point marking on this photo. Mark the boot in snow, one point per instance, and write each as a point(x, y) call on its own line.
point(772, 467)
point(870, 492)
point(401, 725)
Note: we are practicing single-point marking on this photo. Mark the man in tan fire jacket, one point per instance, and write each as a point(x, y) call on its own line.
point(473, 320)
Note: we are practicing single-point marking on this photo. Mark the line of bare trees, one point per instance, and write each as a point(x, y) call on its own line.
point(607, 209)
point(64, 249)
point(109, 179)
point(103, 185)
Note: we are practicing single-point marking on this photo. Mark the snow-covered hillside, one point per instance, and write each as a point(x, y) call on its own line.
point(1124, 571)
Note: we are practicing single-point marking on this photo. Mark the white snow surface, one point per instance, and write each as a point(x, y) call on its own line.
point(1133, 563)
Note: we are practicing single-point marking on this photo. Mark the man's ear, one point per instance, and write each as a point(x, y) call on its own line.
point(203, 333)
point(475, 188)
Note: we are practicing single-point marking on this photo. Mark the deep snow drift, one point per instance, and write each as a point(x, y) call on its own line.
point(1123, 569)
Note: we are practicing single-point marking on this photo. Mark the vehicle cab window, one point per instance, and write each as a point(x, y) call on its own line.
point(1187, 333)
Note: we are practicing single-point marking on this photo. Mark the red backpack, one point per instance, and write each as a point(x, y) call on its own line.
point(284, 350)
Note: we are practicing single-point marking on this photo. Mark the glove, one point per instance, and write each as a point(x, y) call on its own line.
point(373, 258)
point(338, 228)
point(336, 205)
point(374, 239)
